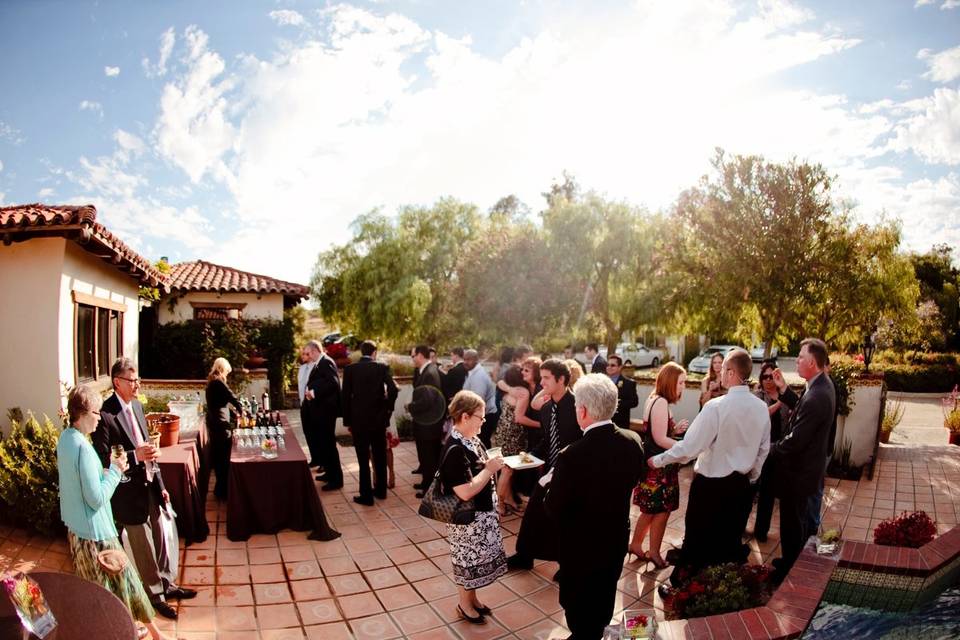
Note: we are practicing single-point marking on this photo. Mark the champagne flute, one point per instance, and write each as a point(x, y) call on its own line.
point(117, 453)
point(153, 430)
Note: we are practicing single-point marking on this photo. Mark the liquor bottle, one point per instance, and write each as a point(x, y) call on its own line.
point(265, 401)
point(254, 405)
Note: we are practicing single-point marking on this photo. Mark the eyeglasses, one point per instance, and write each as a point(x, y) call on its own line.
point(96, 413)
point(482, 416)
point(131, 380)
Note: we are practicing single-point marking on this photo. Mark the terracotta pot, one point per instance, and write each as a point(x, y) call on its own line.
point(255, 362)
point(885, 436)
point(169, 424)
point(955, 438)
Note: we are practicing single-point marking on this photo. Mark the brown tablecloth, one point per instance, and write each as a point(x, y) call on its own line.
point(83, 610)
point(200, 438)
point(265, 496)
point(180, 466)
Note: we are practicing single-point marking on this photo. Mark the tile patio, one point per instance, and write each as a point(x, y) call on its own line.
point(388, 576)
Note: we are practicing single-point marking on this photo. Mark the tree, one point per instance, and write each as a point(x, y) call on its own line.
point(750, 242)
point(869, 283)
point(394, 279)
point(940, 283)
point(610, 250)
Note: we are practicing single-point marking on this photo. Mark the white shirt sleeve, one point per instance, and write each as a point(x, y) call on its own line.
point(699, 436)
point(761, 454)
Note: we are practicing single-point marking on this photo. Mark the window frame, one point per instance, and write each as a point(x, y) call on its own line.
point(114, 338)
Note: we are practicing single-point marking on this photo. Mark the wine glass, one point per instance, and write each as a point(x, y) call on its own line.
point(153, 430)
point(117, 453)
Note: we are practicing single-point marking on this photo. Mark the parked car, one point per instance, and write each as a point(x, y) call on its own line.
point(637, 354)
point(337, 347)
point(756, 353)
point(701, 364)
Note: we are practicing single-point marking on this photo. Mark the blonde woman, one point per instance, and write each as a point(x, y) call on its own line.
point(85, 492)
point(219, 425)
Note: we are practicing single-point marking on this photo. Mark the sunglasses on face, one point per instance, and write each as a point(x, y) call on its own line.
point(766, 376)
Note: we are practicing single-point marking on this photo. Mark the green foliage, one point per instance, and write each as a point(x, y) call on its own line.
point(841, 372)
point(152, 294)
point(156, 404)
point(721, 589)
point(29, 479)
point(187, 349)
point(940, 283)
point(404, 427)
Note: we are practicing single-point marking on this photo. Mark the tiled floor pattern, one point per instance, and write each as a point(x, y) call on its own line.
point(388, 576)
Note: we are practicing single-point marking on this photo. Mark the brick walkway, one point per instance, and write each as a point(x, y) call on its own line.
point(388, 576)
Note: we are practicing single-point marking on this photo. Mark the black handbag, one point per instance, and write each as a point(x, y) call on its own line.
point(448, 509)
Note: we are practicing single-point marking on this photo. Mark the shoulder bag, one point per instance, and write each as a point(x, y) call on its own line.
point(449, 509)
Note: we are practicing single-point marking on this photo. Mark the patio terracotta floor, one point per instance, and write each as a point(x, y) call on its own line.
point(388, 576)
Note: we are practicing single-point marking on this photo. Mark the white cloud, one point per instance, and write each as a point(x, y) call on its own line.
point(921, 3)
point(11, 134)
point(950, 4)
point(90, 105)
point(287, 17)
point(1, 165)
point(111, 72)
point(932, 131)
point(193, 131)
point(944, 66)
point(128, 143)
point(45, 193)
point(167, 40)
point(2, 198)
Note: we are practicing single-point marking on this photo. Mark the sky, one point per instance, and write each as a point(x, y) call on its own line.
point(251, 134)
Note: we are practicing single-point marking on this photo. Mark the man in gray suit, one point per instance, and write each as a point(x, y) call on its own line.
point(799, 455)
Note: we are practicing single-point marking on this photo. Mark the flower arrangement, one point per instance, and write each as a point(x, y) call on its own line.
point(906, 530)
point(28, 600)
point(638, 624)
point(720, 589)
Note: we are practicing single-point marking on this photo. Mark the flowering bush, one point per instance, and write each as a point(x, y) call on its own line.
point(951, 411)
point(720, 589)
point(906, 530)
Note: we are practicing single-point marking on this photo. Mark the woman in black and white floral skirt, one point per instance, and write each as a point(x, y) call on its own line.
point(476, 549)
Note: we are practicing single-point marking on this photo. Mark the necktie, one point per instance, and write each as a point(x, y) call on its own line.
point(554, 437)
point(138, 439)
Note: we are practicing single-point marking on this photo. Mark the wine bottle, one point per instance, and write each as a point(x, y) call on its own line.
point(265, 401)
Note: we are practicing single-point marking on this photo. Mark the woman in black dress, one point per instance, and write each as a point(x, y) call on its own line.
point(219, 425)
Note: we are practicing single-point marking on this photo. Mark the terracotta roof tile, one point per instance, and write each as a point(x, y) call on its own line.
point(77, 223)
point(206, 276)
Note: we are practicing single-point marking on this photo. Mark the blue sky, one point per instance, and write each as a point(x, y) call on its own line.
point(252, 133)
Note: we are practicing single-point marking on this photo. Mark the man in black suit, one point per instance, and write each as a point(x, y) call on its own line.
point(537, 537)
point(455, 377)
point(136, 504)
point(589, 500)
point(322, 398)
point(428, 436)
point(626, 392)
point(595, 361)
point(799, 455)
point(369, 393)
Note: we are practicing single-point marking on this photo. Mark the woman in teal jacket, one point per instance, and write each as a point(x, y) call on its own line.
point(85, 491)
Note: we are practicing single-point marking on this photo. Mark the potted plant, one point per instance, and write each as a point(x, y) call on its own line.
point(892, 415)
point(951, 415)
point(906, 530)
point(168, 425)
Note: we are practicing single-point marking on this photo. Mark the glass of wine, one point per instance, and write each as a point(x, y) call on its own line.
point(117, 452)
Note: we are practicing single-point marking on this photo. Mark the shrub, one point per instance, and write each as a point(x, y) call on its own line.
point(720, 589)
point(892, 415)
point(29, 479)
point(906, 530)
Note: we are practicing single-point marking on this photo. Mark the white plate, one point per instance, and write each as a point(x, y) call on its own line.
point(514, 462)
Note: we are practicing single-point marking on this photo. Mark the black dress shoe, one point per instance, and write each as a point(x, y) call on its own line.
point(420, 485)
point(165, 610)
point(516, 561)
point(324, 477)
point(556, 576)
point(332, 486)
point(380, 496)
point(368, 501)
point(418, 494)
point(180, 593)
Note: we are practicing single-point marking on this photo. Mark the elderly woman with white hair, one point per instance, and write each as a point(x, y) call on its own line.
point(219, 398)
point(589, 498)
point(85, 492)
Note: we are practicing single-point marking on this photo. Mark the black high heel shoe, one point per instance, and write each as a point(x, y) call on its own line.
point(483, 610)
point(472, 620)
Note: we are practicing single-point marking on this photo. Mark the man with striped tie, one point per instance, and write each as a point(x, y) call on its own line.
point(537, 537)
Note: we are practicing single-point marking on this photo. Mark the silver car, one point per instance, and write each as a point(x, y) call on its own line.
point(756, 353)
point(701, 364)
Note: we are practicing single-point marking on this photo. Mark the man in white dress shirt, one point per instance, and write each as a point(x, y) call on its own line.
point(730, 439)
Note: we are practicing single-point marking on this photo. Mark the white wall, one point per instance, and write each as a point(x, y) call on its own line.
point(29, 295)
point(84, 273)
point(267, 305)
point(860, 427)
